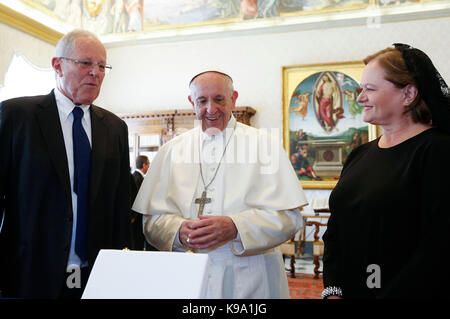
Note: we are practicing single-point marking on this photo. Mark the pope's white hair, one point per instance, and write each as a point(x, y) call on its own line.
point(226, 76)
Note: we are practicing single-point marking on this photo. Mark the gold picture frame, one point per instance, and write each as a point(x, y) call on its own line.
point(322, 121)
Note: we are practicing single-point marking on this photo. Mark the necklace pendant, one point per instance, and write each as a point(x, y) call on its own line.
point(202, 201)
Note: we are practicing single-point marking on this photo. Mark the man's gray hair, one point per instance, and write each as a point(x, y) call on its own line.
point(66, 44)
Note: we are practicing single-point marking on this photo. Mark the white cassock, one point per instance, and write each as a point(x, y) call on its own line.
point(255, 186)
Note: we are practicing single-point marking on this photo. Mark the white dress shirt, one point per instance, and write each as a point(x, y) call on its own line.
point(65, 108)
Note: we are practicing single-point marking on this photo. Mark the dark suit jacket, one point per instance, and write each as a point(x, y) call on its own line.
point(138, 179)
point(137, 237)
point(36, 191)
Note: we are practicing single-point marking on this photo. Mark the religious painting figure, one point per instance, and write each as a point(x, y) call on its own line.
point(302, 165)
point(302, 102)
point(134, 10)
point(328, 99)
point(120, 16)
point(75, 13)
point(249, 9)
point(354, 143)
point(268, 8)
point(353, 106)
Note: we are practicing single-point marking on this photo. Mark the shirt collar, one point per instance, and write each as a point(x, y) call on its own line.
point(140, 172)
point(225, 133)
point(65, 105)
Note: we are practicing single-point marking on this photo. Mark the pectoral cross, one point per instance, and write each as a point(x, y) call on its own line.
point(202, 201)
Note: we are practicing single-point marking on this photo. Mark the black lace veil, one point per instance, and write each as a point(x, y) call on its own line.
point(431, 86)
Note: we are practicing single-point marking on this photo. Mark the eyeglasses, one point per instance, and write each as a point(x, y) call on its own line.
point(87, 65)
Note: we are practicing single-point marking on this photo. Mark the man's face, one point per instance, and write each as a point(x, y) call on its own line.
point(212, 100)
point(145, 167)
point(79, 83)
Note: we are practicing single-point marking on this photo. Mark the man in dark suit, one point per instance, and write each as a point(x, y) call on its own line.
point(142, 165)
point(61, 206)
point(138, 241)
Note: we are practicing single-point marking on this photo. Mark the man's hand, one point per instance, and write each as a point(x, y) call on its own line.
point(207, 232)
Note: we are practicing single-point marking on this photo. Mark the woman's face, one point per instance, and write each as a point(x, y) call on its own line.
point(383, 102)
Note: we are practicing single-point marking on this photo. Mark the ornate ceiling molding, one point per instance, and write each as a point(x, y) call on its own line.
point(43, 26)
point(25, 24)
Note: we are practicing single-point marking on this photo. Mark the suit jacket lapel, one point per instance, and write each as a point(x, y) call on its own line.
point(50, 124)
point(99, 142)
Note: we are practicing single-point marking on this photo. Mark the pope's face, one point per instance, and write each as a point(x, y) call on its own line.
point(79, 83)
point(213, 101)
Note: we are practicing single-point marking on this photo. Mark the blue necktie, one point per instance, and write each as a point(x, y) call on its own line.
point(82, 170)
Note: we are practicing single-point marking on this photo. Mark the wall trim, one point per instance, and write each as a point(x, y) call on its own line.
point(25, 24)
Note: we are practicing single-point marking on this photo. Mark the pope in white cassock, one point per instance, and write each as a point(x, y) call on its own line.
point(225, 189)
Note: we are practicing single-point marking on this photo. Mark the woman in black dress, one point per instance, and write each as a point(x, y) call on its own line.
point(389, 229)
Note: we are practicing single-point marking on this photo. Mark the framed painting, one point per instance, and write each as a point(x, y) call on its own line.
point(322, 120)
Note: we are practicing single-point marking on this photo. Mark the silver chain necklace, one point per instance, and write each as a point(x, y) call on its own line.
point(205, 200)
